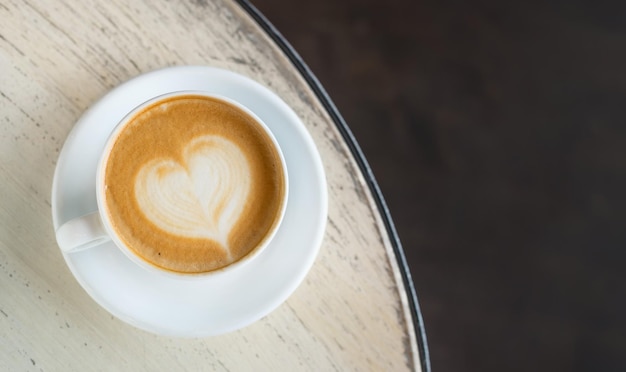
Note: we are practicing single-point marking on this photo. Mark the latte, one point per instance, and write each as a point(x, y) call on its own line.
point(193, 184)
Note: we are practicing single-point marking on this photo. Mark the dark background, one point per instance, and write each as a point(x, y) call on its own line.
point(497, 133)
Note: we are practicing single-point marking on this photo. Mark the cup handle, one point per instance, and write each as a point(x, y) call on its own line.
point(82, 233)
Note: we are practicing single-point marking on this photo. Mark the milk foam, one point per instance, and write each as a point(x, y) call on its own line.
point(202, 197)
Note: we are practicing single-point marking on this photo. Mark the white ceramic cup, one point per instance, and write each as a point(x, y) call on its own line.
point(94, 229)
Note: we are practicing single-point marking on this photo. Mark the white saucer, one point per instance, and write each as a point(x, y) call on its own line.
point(217, 304)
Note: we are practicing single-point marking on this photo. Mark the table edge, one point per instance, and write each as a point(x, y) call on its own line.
point(355, 149)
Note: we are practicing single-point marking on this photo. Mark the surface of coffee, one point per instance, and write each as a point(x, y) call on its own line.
point(193, 184)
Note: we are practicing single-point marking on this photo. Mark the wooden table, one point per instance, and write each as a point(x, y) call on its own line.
point(356, 309)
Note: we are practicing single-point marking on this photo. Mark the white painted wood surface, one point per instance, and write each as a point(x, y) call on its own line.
point(56, 58)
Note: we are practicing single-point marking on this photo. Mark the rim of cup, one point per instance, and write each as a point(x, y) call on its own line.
point(100, 188)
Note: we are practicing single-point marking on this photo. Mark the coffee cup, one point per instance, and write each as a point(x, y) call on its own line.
point(188, 184)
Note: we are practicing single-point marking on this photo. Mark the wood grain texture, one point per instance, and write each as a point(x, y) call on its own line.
point(56, 59)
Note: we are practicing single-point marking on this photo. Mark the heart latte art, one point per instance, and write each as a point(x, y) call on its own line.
point(201, 198)
point(193, 184)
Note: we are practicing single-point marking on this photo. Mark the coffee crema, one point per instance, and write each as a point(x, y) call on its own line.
point(193, 184)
